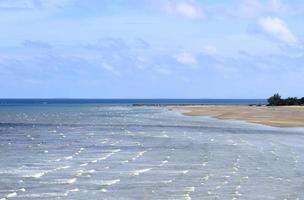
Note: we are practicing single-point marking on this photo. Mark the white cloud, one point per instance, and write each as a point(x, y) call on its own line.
point(33, 4)
point(36, 44)
point(110, 68)
point(186, 58)
point(209, 50)
point(250, 8)
point(163, 71)
point(17, 4)
point(256, 8)
point(276, 28)
point(187, 9)
point(276, 6)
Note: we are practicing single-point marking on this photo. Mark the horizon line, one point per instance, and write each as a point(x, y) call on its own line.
point(83, 98)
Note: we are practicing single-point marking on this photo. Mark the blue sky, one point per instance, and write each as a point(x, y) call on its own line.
point(151, 48)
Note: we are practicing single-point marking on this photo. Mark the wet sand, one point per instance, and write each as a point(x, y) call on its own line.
point(285, 116)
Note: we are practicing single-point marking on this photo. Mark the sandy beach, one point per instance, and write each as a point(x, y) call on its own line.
point(285, 116)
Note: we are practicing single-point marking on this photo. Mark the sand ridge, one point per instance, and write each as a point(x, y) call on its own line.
point(278, 116)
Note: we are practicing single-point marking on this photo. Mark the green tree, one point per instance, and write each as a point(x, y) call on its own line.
point(290, 101)
point(275, 100)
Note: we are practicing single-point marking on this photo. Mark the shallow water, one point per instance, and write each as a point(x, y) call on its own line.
point(124, 152)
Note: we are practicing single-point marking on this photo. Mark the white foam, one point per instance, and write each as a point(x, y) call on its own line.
point(13, 194)
point(164, 136)
point(65, 167)
point(163, 163)
point(206, 178)
point(79, 172)
point(190, 189)
point(104, 190)
point(185, 172)
point(90, 171)
point(116, 151)
point(114, 143)
point(139, 155)
point(60, 168)
point(187, 197)
point(72, 180)
point(38, 175)
point(84, 164)
point(110, 182)
point(138, 172)
point(110, 154)
point(69, 191)
point(125, 161)
point(68, 157)
point(237, 193)
point(104, 141)
point(167, 182)
point(74, 190)
point(142, 153)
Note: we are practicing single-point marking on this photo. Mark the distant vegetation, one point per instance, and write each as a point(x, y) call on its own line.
point(276, 100)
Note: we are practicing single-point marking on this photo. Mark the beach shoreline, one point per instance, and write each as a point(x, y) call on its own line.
point(276, 116)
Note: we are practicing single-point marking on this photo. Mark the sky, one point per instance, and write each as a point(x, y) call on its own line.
point(151, 48)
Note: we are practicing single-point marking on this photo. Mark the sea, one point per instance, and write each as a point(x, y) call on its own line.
point(67, 149)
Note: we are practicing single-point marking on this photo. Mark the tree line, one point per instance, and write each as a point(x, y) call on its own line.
point(276, 100)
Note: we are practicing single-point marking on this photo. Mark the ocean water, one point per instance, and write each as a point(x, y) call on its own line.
point(132, 101)
point(91, 151)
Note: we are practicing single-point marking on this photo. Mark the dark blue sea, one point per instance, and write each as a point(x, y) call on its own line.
point(107, 149)
point(135, 101)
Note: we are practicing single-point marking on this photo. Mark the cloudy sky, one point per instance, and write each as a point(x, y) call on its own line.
point(151, 48)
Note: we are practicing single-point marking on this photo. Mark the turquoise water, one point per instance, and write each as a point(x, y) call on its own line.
point(123, 152)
